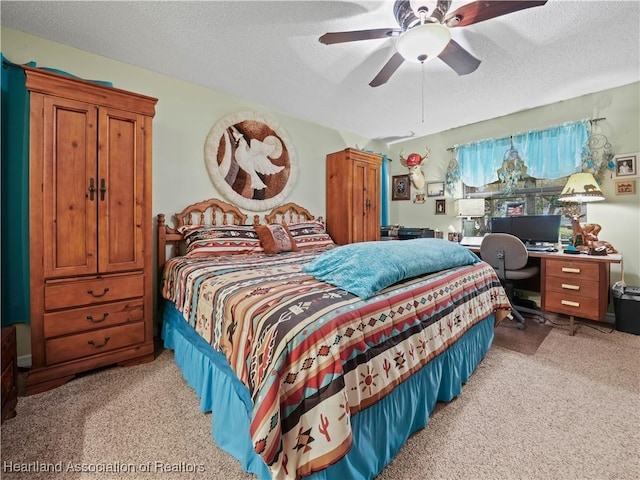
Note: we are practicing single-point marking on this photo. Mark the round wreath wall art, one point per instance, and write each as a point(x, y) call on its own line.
point(250, 160)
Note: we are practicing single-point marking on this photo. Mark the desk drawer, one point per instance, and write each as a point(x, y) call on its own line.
point(578, 306)
point(572, 287)
point(573, 269)
point(83, 345)
point(91, 291)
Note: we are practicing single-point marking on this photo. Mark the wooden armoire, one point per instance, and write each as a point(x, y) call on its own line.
point(90, 227)
point(353, 196)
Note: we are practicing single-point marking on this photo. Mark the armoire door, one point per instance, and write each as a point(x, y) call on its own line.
point(366, 225)
point(372, 205)
point(120, 191)
point(69, 188)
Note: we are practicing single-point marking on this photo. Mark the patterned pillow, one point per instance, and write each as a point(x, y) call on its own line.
point(220, 240)
point(275, 238)
point(310, 235)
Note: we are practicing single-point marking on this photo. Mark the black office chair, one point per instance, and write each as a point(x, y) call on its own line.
point(508, 256)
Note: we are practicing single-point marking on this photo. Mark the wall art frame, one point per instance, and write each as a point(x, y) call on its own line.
point(400, 187)
point(625, 187)
point(515, 209)
point(441, 207)
point(625, 165)
point(251, 160)
point(435, 189)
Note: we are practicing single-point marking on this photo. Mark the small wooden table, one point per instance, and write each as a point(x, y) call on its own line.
point(9, 373)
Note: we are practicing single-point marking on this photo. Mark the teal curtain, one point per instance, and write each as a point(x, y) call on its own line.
point(15, 195)
point(551, 153)
point(384, 191)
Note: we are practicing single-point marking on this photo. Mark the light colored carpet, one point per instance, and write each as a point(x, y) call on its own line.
point(570, 411)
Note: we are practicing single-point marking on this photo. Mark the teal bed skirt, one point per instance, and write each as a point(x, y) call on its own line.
point(402, 413)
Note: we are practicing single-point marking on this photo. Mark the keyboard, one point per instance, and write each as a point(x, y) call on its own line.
point(540, 248)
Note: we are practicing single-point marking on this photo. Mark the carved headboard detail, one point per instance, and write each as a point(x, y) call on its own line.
point(289, 213)
point(207, 212)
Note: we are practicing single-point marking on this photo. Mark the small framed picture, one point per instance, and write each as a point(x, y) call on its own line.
point(626, 165)
point(625, 187)
point(441, 207)
point(435, 189)
point(400, 187)
point(515, 208)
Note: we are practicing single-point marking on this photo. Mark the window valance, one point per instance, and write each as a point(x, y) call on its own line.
point(551, 153)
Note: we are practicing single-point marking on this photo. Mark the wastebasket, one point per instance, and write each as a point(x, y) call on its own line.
point(626, 304)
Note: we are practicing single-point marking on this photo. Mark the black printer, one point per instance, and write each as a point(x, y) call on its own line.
point(407, 233)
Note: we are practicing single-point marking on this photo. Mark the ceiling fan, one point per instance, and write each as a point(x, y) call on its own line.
point(424, 32)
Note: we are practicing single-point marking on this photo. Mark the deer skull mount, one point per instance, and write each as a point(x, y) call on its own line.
point(414, 162)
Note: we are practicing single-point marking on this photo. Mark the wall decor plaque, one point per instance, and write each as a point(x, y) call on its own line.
point(250, 160)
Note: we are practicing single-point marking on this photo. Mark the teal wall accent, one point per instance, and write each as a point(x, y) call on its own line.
point(15, 195)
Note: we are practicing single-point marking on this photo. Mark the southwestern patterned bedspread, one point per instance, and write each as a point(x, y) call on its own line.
point(313, 355)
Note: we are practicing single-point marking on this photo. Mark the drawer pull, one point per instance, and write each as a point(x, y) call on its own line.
point(570, 287)
point(97, 320)
point(569, 303)
point(90, 292)
point(93, 344)
point(570, 270)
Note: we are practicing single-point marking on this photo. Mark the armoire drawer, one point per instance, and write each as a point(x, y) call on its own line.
point(78, 320)
point(96, 290)
point(63, 349)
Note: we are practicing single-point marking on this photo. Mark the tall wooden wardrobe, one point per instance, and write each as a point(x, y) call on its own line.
point(90, 227)
point(353, 196)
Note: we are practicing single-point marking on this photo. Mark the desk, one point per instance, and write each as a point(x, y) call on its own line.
point(574, 285)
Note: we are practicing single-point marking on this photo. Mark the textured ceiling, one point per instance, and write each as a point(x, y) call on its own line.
point(268, 52)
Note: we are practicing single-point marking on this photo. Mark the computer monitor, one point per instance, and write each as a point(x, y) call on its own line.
point(500, 225)
point(536, 228)
point(529, 228)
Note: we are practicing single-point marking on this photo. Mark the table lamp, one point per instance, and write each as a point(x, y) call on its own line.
point(467, 208)
point(581, 187)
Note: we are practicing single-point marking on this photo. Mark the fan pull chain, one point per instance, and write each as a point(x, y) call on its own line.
point(422, 68)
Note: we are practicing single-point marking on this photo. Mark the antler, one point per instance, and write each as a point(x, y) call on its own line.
point(425, 157)
point(403, 160)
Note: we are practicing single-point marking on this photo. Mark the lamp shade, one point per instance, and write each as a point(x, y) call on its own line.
point(581, 187)
point(470, 207)
point(423, 42)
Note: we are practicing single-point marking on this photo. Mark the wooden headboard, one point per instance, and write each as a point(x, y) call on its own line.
point(207, 212)
point(289, 213)
point(217, 212)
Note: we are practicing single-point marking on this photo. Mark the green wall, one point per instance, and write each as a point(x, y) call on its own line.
point(186, 112)
point(619, 215)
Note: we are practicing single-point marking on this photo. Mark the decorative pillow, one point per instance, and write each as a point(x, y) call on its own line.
point(275, 238)
point(366, 268)
point(310, 235)
point(220, 240)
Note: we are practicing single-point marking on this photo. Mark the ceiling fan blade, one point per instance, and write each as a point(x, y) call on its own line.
point(481, 10)
point(389, 68)
point(356, 35)
point(460, 60)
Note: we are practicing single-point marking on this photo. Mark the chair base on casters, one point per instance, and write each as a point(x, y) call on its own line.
point(516, 313)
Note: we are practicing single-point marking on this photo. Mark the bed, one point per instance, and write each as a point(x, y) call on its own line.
point(300, 373)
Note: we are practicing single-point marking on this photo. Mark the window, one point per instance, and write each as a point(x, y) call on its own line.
point(533, 196)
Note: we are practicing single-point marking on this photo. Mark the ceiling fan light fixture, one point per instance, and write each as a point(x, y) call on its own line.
point(423, 42)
